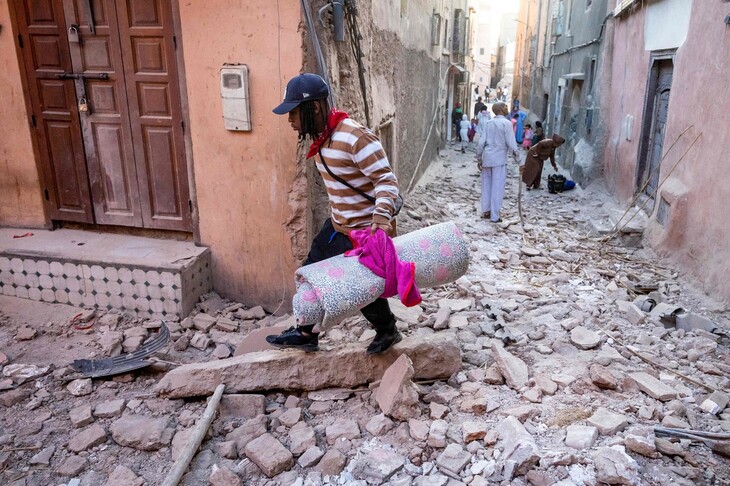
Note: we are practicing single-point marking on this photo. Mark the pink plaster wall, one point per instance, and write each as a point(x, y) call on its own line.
point(20, 194)
point(698, 97)
point(243, 179)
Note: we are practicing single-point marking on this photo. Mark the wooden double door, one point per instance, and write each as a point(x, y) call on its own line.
point(103, 83)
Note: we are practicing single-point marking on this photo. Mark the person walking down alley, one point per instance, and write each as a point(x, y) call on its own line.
point(479, 106)
point(496, 143)
point(536, 157)
point(456, 120)
point(355, 169)
point(464, 132)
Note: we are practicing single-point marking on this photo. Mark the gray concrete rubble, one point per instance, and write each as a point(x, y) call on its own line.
point(526, 371)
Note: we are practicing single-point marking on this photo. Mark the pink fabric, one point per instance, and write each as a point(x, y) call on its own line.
point(377, 253)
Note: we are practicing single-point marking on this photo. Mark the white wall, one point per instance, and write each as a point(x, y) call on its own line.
point(666, 24)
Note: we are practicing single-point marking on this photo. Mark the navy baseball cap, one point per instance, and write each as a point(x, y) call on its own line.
point(305, 87)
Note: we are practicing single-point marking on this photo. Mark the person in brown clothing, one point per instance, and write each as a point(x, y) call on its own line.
point(536, 156)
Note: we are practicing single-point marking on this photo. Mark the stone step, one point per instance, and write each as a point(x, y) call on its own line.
point(149, 277)
point(433, 356)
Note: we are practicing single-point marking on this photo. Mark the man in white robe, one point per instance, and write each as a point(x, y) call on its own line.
point(496, 142)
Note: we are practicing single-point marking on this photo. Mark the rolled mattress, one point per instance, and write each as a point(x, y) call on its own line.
point(337, 288)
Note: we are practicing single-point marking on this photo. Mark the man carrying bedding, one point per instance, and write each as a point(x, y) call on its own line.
point(362, 191)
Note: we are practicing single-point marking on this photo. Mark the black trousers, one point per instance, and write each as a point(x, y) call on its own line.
point(328, 243)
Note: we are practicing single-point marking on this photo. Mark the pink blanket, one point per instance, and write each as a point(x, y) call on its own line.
point(377, 253)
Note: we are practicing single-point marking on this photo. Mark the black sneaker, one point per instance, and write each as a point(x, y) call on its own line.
point(295, 338)
point(384, 340)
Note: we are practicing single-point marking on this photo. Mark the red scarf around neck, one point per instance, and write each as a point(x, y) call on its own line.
point(333, 119)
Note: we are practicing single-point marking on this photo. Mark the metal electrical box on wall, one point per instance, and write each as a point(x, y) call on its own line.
point(235, 98)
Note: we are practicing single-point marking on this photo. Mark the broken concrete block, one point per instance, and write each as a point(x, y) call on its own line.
point(141, 432)
point(79, 388)
point(342, 428)
point(81, 416)
point(437, 433)
point(453, 458)
point(245, 406)
point(25, 333)
point(517, 445)
point(602, 377)
point(111, 343)
point(181, 438)
point(43, 458)
point(203, 322)
point(221, 351)
point(123, 476)
point(379, 425)
point(227, 449)
point(433, 356)
point(715, 402)
point(222, 476)
point(378, 465)
point(269, 455)
point(607, 422)
point(580, 436)
point(512, 368)
point(250, 430)
point(255, 340)
point(310, 457)
point(109, 409)
point(200, 341)
point(442, 318)
point(472, 431)
point(584, 339)
point(397, 395)
point(301, 438)
point(73, 466)
point(653, 387)
point(226, 325)
point(633, 314)
point(332, 463)
point(291, 417)
point(614, 466)
point(87, 438)
point(641, 445)
point(418, 430)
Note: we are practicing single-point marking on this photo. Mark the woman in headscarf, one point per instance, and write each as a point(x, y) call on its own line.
point(536, 156)
point(464, 125)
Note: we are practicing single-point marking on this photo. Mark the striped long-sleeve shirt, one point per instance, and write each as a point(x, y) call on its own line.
point(355, 154)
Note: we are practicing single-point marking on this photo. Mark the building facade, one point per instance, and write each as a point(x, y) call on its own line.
point(666, 128)
point(563, 91)
point(122, 117)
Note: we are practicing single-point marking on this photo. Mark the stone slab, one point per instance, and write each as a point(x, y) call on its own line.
point(433, 356)
point(653, 387)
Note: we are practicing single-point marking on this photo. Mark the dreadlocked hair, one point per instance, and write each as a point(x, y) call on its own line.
point(308, 119)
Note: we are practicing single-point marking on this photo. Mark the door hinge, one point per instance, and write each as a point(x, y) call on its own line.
point(182, 125)
point(174, 41)
point(45, 192)
point(20, 41)
point(32, 120)
point(190, 205)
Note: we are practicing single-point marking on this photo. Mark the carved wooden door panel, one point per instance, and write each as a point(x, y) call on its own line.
point(103, 78)
point(98, 75)
point(148, 46)
point(42, 38)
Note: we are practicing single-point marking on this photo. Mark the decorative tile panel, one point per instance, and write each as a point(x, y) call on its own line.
point(161, 293)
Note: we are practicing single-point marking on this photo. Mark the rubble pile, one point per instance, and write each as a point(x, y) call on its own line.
point(565, 375)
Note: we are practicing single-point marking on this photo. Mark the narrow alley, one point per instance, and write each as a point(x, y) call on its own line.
point(564, 380)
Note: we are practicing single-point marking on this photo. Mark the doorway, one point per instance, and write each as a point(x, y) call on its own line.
point(655, 119)
point(106, 110)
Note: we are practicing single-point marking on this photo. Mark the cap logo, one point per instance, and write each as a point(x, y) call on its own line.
point(305, 95)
